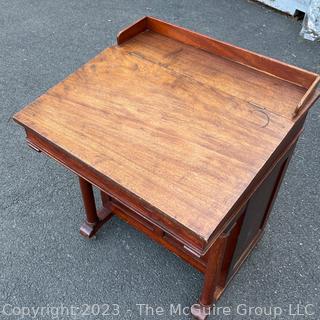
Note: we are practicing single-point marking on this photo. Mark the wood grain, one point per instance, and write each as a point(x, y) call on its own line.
point(183, 129)
point(226, 50)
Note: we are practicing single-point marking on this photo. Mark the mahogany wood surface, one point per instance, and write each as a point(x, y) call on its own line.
point(173, 120)
point(277, 68)
point(187, 138)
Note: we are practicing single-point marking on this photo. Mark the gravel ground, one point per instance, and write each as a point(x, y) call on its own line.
point(44, 261)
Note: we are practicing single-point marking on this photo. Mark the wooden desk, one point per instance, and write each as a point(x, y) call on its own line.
point(187, 138)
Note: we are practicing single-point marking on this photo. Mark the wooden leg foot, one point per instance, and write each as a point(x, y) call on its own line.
point(88, 230)
point(94, 219)
point(200, 312)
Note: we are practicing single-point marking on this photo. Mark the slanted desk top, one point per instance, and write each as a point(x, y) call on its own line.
point(181, 122)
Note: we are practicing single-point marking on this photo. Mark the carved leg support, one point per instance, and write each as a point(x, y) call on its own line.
point(94, 220)
point(201, 310)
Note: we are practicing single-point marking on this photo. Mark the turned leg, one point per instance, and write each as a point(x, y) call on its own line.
point(201, 310)
point(94, 219)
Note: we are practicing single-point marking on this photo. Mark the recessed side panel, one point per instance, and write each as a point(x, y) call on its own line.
point(255, 213)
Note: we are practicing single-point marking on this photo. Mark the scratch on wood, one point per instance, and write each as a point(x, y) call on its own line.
point(261, 109)
point(173, 54)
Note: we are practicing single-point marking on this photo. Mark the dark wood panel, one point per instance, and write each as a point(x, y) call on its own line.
point(255, 212)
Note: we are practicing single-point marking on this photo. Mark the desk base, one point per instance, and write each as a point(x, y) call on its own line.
point(226, 254)
point(95, 220)
point(88, 230)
